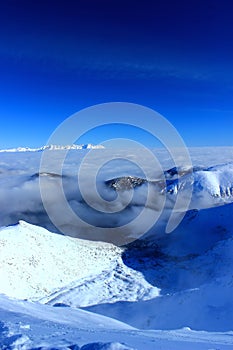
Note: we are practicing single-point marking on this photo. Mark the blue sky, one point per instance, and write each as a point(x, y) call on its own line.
point(57, 57)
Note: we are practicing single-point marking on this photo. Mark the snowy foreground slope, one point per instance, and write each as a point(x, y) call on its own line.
point(196, 291)
point(31, 326)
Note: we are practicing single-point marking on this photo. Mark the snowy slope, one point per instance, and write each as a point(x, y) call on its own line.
point(192, 267)
point(28, 326)
point(36, 264)
point(196, 292)
point(191, 282)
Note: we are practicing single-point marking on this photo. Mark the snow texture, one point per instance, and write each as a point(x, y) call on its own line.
point(29, 326)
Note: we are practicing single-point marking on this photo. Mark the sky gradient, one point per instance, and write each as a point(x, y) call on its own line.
point(57, 57)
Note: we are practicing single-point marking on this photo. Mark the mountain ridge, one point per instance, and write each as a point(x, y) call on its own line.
point(53, 148)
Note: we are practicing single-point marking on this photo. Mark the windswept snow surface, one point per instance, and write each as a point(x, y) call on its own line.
point(30, 326)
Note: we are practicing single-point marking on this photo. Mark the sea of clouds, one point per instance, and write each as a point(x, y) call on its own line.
point(21, 197)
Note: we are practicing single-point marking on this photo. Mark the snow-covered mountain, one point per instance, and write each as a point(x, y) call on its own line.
point(167, 291)
point(52, 148)
point(55, 268)
point(147, 287)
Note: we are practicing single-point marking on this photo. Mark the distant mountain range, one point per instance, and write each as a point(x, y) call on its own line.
point(52, 148)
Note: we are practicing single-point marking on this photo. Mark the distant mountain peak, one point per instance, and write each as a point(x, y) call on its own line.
point(53, 148)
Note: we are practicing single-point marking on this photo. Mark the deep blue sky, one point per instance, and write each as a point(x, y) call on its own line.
point(57, 57)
